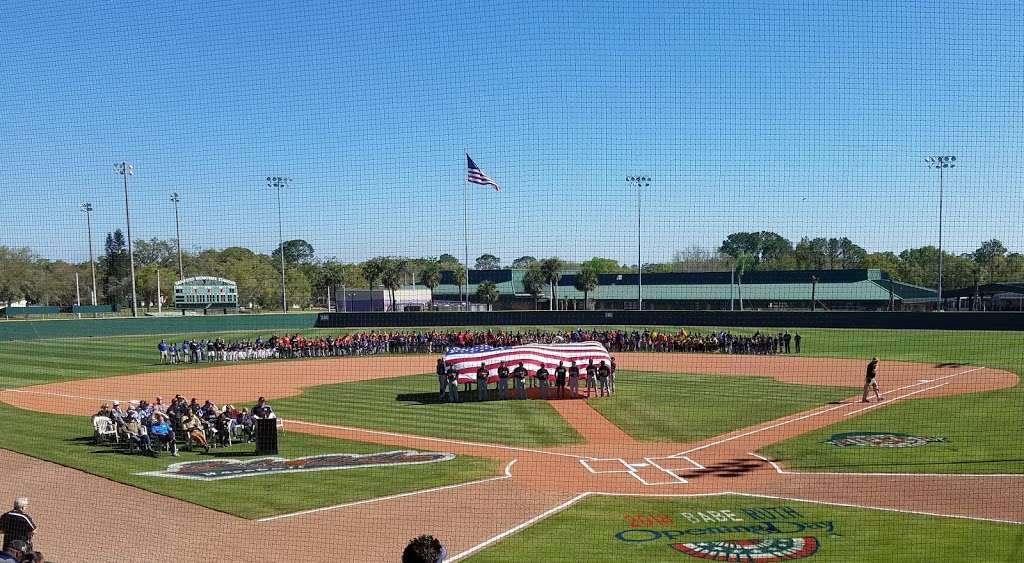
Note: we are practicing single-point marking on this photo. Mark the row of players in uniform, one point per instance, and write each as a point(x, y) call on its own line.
point(600, 378)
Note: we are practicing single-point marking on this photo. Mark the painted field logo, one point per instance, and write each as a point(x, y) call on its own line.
point(752, 550)
point(232, 468)
point(881, 440)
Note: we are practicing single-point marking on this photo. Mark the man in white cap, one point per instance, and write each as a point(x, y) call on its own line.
point(17, 524)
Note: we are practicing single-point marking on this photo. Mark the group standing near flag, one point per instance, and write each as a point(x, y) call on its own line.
point(483, 365)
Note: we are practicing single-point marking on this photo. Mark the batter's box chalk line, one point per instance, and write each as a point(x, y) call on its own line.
point(648, 471)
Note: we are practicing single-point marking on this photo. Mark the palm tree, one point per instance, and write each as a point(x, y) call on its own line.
point(586, 281)
point(533, 282)
point(459, 273)
point(391, 277)
point(551, 269)
point(430, 277)
point(487, 292)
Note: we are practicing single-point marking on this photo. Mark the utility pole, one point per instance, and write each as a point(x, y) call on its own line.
point(87, 209)
point(125, 170)
point(639, 182)
point(175, 198)
point(279, 183)
point(941, 163)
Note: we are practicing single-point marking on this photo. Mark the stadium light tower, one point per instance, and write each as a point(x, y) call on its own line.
point(87, 209)
point(175, 199)
point(940, 163)
point(639, 182)
point(279, 183)
point(125, 170)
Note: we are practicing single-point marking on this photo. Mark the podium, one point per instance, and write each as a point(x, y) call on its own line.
point(266, 436)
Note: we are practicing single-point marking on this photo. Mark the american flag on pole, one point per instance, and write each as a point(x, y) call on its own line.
point(477, 176)
point(467, 360)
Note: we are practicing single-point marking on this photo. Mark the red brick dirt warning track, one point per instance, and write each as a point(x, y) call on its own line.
point(537, 480)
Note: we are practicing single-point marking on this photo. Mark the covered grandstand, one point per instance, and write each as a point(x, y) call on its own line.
point(854, 290)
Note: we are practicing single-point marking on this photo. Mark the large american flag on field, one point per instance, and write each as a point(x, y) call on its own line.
point(477, 176)
point(467, 360)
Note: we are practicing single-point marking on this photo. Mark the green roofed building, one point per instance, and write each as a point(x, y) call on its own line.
point(205, 292)
point(856, 290)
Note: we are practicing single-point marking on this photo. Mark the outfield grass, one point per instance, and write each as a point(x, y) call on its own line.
point(591, 531)
point(67, 440)
point(687, 407)
point(409, 404)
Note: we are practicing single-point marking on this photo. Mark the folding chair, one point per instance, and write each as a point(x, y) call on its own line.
point(102, 428)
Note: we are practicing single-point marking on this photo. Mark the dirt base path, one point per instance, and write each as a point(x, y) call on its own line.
point(469, 517)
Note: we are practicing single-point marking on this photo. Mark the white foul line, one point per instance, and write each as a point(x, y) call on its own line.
point(866, 507)
point(813, 414)
point(581, 496)
point(432, 439)
point(515, 529)
point(757, 430)
point(51, 394)
point(781, 471)
point(851, 413)
point(507, 475)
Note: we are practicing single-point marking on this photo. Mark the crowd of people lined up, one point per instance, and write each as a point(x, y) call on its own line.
point(430, 342)
point(150, 427)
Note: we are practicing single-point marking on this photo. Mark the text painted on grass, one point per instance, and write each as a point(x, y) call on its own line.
point(211, 470)
point(754, 533)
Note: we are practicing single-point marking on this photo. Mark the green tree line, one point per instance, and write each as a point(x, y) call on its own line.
point(25, 275)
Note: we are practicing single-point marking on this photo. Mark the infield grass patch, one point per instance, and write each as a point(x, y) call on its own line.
point(668, 407)
point(409, 404)
point(615, 529)
point(66, 440)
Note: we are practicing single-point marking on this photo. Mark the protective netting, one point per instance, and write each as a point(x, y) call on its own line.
point(595, 281)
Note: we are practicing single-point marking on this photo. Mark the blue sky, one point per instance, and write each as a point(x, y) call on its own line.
point(804, 118)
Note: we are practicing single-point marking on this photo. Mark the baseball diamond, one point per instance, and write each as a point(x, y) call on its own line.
point(607, 460)
point(482, 282)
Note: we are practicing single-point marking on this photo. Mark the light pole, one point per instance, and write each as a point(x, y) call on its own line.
point(279, 183)
point(639, 182)
point(175, 198)
point(87, 209)
point(125, 170)
point(941, 163)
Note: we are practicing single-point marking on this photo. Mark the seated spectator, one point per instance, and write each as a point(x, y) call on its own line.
point(104, 411)
point(194, 430)
point(245, 420)
point(424, 549)
point(15, 551)
point(137, 435)
point(162, 432)
point(222, 425)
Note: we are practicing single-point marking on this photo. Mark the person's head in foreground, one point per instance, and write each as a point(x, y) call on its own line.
point(424, 549)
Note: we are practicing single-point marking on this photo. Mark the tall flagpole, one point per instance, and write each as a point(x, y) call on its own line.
point(465, 227)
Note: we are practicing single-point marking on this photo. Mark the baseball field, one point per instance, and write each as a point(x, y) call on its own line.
point(695, 456)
